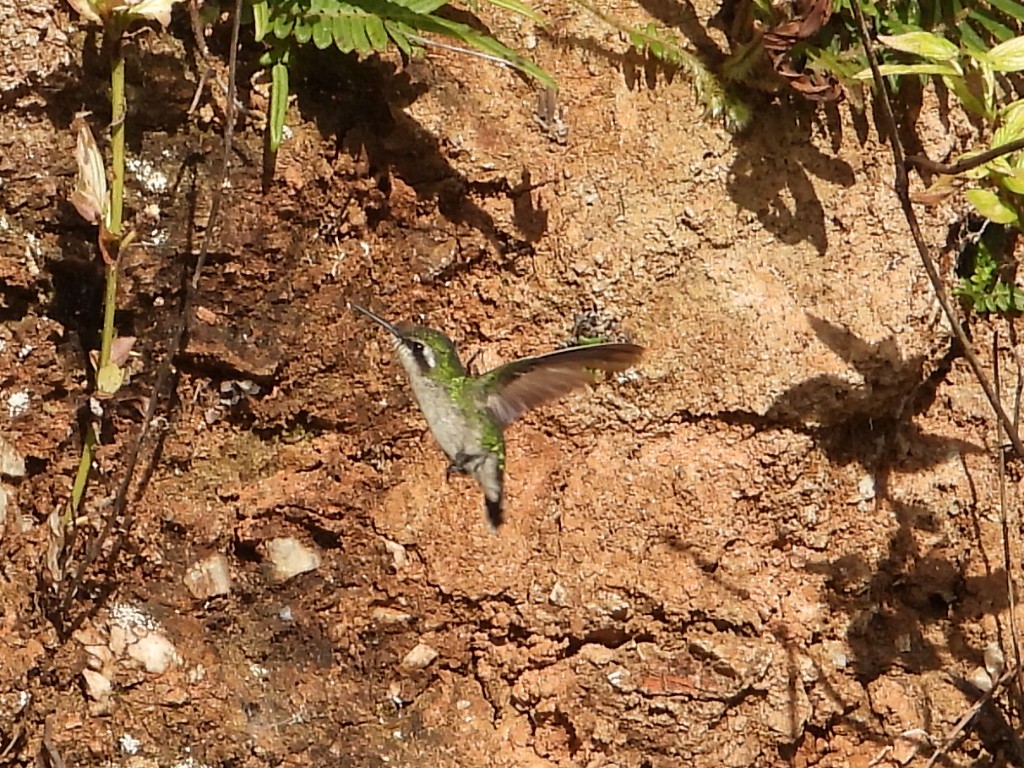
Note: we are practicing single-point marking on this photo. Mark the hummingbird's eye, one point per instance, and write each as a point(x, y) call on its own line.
point(423, 353)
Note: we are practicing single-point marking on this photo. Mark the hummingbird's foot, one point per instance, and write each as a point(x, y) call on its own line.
point(456, 466)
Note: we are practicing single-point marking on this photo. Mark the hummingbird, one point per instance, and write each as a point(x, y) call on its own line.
point(468, 414)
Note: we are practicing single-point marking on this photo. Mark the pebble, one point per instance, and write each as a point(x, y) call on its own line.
point(97, 686)
point(12, 463)
point(155, 652)
point(397, 552)
point(383, 615)
point(420, 657)
point(288, 557)
point(209, 577)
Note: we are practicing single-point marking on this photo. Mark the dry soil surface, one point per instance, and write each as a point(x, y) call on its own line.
point(776, 541)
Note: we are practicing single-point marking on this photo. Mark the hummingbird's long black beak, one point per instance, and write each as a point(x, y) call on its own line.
point(378, 320)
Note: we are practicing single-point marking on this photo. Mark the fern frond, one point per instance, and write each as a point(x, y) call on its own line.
point(370, 26)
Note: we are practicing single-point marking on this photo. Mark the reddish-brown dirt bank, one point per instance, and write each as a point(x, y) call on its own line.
point(777, 542)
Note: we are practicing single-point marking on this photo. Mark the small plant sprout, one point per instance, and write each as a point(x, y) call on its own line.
point(102, 205)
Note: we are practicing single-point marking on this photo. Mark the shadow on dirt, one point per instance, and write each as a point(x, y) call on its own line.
point(891, 599)
point(359, 107)
point(774, 167)
point(772, 174)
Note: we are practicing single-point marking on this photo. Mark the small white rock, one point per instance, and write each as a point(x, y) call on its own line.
point(383, 615)
point(209, 577)
point(155, 652)
point(288, 557)
point(558, 595)
point(420, 657)
point(18, 403)
point(129, 744)
point(397, 552)
point(97, 686)
point(981, 679)
point(118, 642)
point(995, 662)
point(12, 463)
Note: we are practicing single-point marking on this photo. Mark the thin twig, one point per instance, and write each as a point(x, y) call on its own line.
point(52, 753)
point(902, 184)
point(1003, 514)
point(173, 347)
point(426, 41)
point(1011, 525)
point(1004, 521)
point(968, 164)
point(965, 719)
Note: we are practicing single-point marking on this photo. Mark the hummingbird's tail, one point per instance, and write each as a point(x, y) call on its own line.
point(491, 475)
point(495, 515)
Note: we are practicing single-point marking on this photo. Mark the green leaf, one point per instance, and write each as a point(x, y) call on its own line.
point(1011, 8)
point(376, 33)
point(989, 205)
point(342, 30)
point(303, 30)
point(995, 28)
point(951, 70)
point(520, 9)
point(960, 87)
point(278, 104)
point(1011, 124)
point(323, 34)
point(1014, 181)
point(397, 32)
point(360, 39)
point(1008, 56)
point(924, 44)
point(282, 26)
point(422, 6)
point(261, 19)
point(109, 379)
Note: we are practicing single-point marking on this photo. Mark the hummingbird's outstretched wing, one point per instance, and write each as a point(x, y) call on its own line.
point(513, 389)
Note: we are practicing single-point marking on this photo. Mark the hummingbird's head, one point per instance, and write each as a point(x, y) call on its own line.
point(421, 351)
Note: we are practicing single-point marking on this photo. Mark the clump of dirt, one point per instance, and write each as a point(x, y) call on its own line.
point(775, 541)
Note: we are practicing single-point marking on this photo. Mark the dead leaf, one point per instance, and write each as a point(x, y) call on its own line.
point(810, 16)
point(120, 348)
point(935, 194)
point(55, 546)
point(90, 196)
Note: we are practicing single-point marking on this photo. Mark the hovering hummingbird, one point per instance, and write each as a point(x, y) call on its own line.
point(468, 414)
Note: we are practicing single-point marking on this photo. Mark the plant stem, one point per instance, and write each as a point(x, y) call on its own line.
point(84, 463)
point(117, 118)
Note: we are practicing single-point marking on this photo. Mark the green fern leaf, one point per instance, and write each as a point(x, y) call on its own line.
point(376, 33)
point(1000, 31)
point(323, 34)
point(341, 27)
point(397, 32)
point(520, 9)
point(261, 19)
point(303, 30)
point(422, 6)
point(1011, 8)
point(282, 26)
